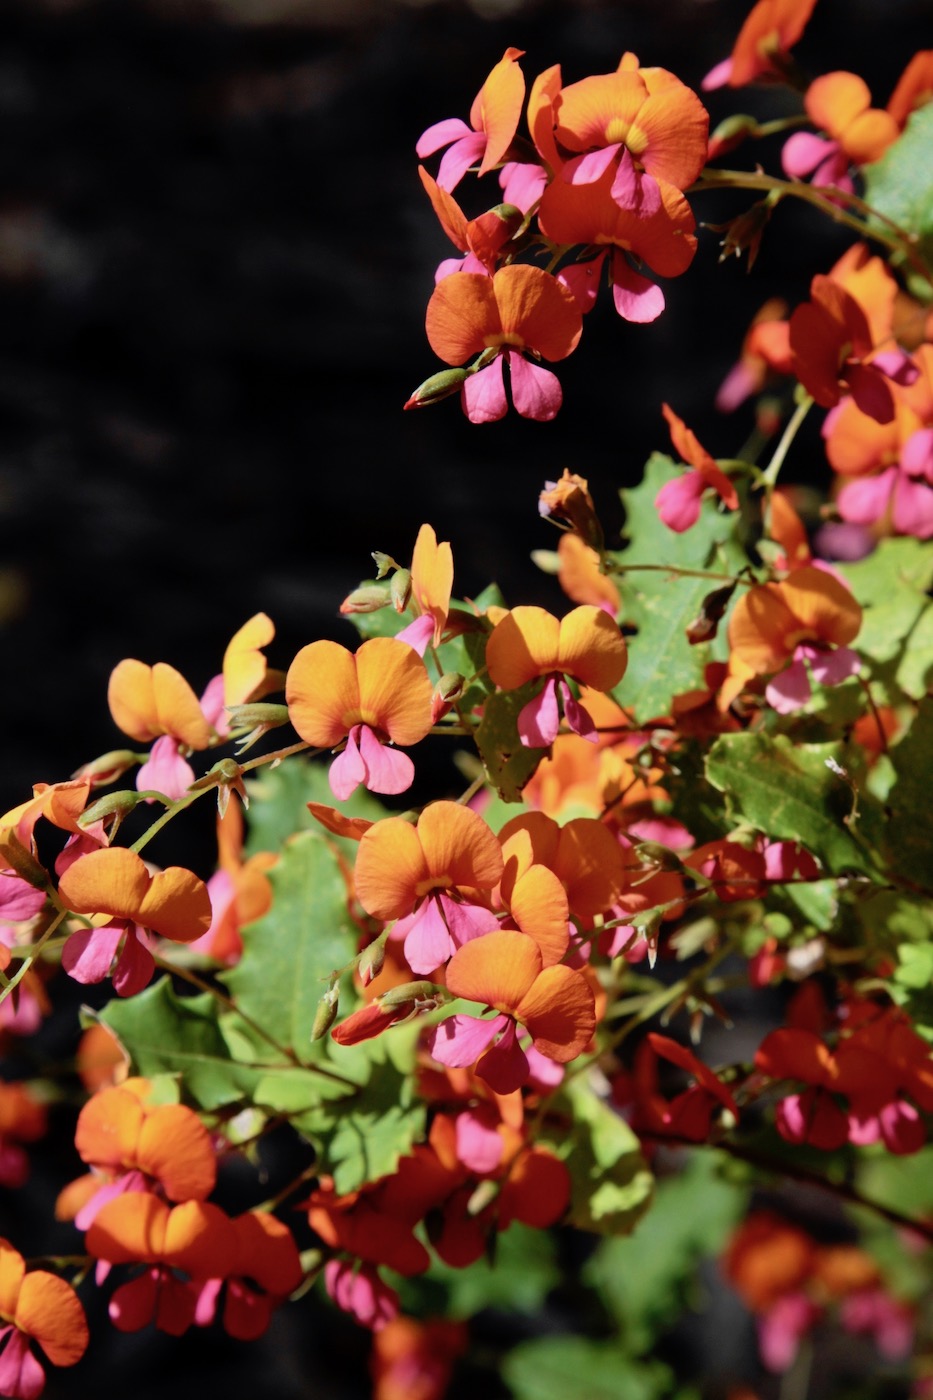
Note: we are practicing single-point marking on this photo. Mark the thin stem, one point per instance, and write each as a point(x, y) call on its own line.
point(32, 955)
point(675, 571)
point(770, 475)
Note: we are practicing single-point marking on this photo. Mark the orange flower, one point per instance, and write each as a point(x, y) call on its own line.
point(35, 1306)
point(582, 853)
point(505, 971)
point(148, 701)
point(914, 87)
point(581, 577)
point(432, 578)
point(379, 695)
point(239, 890)
point(678, 502)
point(493, 119)
point(245, 672)
point(761, 50)
point(530, 643)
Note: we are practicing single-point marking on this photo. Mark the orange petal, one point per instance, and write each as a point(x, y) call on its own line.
point(591, 865)
point(580, 576)
point(869, 136)
point(131, 698)
point(598, 111)
point(541, 116)
point(112, 880)
point(175, 1147)
point(560, 1012)
point(395, 689)
point(268, 1252)
point(178, 707)
point(12, 1269)
point(323, 694)
point(497, 107)
point(524, 645)
point(244, 667)
point(390, 868)
point(459, 846)
point(49, 1311)
point(449, 214)
point(834, 100)
point(176, 905)
point(200, 1238)
point(591, 648)
point(537, 309)
point(432, 577)
point(353, 828)
point(496, 968)
point(670, 134)
point(538, 904)
point(108, 1129)
point(760, 621)
point(462, 318)
point(824, 607)
point(129, 1229)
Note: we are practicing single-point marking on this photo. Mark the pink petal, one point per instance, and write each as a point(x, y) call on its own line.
point(479, 1142)
point(165, 771)
point(18, 899)
point(468, 263)
point(582, 281)
point(134, 967)
point(129, 1181)
point(781, 1328)
point(418, 633)
point(133, 1305)
point(588, 168)
point(786, 860)
point(441, 134)
point(76, 846)
point(539, 720)
point(88, 954)
point(21, 1376)
point(913, 508)
point(834, 667)
point(739, 384)
point(865, 500)
point(901, 1128)
point(458, 158)
point(636, 298)
point(544, 1074)
point(504, 1066)
point(483, 394)
point(427, 943)
point(206, 1307)
point(635, 190)
point(790, 690)
point(212, 706)
point(536, 391)
point(465, 921)
point(459, 1041)
point(917, 454)
point(896, 364)
point(348, 769)
point(718, 76)
point(522, 184)
point(387, 770)
point(578, 719)
point(803, 152)
point(678, 501)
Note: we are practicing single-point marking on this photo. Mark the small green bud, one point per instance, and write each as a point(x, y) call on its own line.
point(109, 767)
point(437, 387)
point(115, 804)
point(327, 1011)
point(369, 597)
point(400, 589)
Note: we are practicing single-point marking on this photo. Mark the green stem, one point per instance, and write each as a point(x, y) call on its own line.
point(32, 955)
point(675, 571)
point(770, 475)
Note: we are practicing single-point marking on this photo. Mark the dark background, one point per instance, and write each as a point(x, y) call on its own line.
point(215, 255)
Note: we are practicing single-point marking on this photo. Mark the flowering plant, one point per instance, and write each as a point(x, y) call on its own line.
point(692, 804)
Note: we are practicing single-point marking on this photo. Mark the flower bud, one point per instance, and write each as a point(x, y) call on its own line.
point(414, 996)
point(400, 589)
point(225, 776)
point(326, 1013)
point(115, 804)
point(439, 386)
point(569, 500)
point(108, 768)
point(371, 959)
point(447, 692)
point(731, 133)
point(704, 626)
point(256, 715)
point(369, 598)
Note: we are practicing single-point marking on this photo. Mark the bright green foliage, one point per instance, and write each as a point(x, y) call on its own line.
point(900, 185)
point(577, 1368)
point(610, 1183)
point(508, 764)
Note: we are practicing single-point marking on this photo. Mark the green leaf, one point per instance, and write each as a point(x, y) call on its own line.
point(377, 1125)
point(662, 663)
point(896, 636)
point(792, 792)
point(508, 763)
point(290, 954)
point(900, 184)
point(610, 1183)
point(648, 1279)
point(167, 1034)
point(280, 798)
point(577, 1368)
point(909, 831)
point(523, 1273)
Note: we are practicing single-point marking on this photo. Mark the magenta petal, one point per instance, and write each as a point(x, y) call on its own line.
point(458, 158)
point(578, 719)
point(781, 1328)
point(18, 899)
point(427, 942)
point(739, 384)
point(387, 769)
point(21, 1376)
point(88, 954)
point(834, 667)
point(917, 454)
point(441, 134)
point(865, 500)
point(348, 769)
point(483, 394)
point(539, 720)
point(913, 508)
point(212, 706)
point(479, 1143)
point(459, 1041)
point(803, 152)
point(465, 921)
point(588, 168)
point(418, 633)
point(129, 1181)
point(522, 184)
point(134, 967)
point(582, 281)
point(536, 391)
point(504, 1066)
point(870, 390)
point(896, 364)
point(635, 190)
point(790, 690)
point(636, 298)
point(678, 501)
point(718, 76)
point(543, 1074)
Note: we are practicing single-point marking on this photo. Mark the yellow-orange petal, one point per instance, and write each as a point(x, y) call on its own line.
point(834, 100)
point(497, 968)
point(869, 136)
point(541, 118)
point(432, 577)
point(390, 868)
point(178, 708)
point(459, 847)
point(670, 134)
point(129, 1229)
point(497, 108)
point(524, 645)
point(12, 1269)
point(758, 626)
point(538, 905)
point(395, 690)
point(353, 828)
point(598, 111)
point(462, 317)
point(591, 648)
point(131, 698)
point(823, 606)
point(175, 1147)
point(244, 666)
point(580, 576)
point(322, 693)
point(591, 865)
point(176, 905)
point(49, 1311)
point(112, 880)
point(559, 1010)
point(108, 1128)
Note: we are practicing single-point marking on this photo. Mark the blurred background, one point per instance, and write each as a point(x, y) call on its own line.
point(215, 256)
